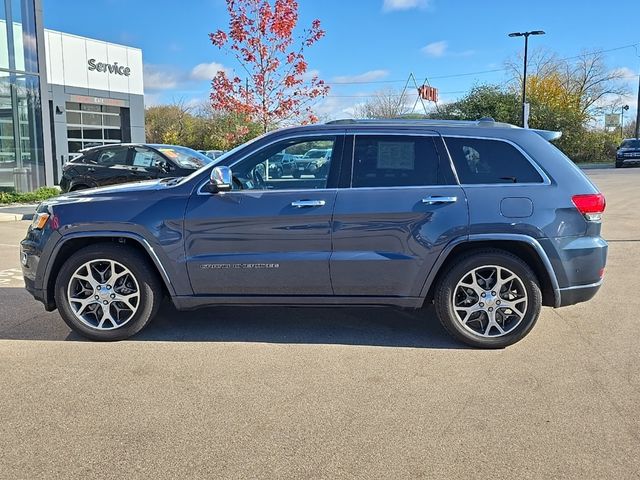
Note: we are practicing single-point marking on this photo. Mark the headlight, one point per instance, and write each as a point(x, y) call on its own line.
point(39, 221)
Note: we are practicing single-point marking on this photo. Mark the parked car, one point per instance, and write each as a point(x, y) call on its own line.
point(282, 164)
point(486, 221)
point(121, 163)
point(212, 154)
point(313, 162)
point(628, 152)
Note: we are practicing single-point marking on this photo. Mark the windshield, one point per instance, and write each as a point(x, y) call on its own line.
point(184, 157)
point(315, 154)
point(633, 143)
point(219, 159)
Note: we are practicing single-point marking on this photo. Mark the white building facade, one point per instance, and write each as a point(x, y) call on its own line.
point(95, 93)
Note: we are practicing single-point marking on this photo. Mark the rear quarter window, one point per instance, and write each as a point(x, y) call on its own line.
point(487, 161)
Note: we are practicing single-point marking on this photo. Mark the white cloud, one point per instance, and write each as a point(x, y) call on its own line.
point(625, 73)
point(435, 49)
point(369, 76)
point(393, 5)
point(161, 77)
point(309, 74)
point(206, 71)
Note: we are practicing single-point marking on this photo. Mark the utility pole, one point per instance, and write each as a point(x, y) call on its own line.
point(638, 111)
point(524, 75)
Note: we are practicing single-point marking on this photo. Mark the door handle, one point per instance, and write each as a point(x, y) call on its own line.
point(308, 203)
point(435, 200)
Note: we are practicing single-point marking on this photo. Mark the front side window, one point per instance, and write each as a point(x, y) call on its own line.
point(146, 158)
point(486, 161)
point(301, 163)
point(395, 161)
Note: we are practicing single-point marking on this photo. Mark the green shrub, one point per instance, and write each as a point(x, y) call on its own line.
point(38, 195)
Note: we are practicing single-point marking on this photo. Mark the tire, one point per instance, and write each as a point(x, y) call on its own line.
point(454, 298)
point(140, 290)
point(75, 188)
point(619, 165)
point(296, 174)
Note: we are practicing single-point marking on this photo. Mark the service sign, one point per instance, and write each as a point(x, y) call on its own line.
point(612, 120)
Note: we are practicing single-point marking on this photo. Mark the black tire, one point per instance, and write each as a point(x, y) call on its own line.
point(296, 174)
point(75, 188)
point(445, 289)
point(150, 289)
point(619, 165)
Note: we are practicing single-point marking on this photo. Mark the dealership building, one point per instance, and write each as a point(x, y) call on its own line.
point(60, 93)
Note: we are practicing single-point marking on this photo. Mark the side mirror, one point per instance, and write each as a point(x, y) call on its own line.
point(221, 180)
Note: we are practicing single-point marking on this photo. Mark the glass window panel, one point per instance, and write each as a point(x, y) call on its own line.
point(72, 106)
point(92, 133)
point(73, 118)
point(112, 134)
point(75, 147)
point(89, 107)
point(111, 120)
point(74, 133)
point(91, 119)
point(110, 109)
point(24, 35)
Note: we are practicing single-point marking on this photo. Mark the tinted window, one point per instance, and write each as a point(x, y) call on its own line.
point(290, 164)
point(480, 161)
point(111, 156)
point(630, 144)
point(394, 161)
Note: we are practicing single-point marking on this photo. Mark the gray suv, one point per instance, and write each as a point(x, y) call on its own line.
point(486, 221)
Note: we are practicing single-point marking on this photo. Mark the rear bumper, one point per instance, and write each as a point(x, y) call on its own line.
point(578, 294)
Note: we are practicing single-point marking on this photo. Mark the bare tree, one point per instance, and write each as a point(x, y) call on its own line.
point(585, 80)
point(388, 103)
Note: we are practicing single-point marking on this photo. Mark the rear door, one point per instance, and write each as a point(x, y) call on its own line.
point(401, 209)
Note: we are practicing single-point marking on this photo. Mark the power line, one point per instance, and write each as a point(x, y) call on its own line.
point(479, 72)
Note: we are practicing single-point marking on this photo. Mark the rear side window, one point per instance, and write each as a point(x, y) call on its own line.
point(112, 156)
point(481, 161)
point(394, 161)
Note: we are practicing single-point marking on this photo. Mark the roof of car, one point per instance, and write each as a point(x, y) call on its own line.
point(111, 145)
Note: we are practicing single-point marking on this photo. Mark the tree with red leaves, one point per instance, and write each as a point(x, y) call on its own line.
point(276, 89)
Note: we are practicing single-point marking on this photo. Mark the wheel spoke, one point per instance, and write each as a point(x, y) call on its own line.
point(490, 301)
point(103, 294)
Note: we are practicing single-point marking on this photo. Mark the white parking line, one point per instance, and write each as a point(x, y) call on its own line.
point(8, 245)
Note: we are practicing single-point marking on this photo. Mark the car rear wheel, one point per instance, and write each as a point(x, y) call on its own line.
point(488, 299)
point(78, 187)
point(107, 292)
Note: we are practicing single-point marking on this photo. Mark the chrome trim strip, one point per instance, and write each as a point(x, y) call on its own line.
point(578, 287)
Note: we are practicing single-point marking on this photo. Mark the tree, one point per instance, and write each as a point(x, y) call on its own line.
point(261, 37)
point(387, 103)
point(167, 123)
point(483, 101)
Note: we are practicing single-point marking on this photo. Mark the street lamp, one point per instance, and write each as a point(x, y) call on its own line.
point(524, 76)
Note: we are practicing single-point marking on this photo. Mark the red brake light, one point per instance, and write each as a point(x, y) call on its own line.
point(590, 205)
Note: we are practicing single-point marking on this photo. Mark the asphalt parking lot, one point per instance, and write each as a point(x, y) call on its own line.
point(327, 393)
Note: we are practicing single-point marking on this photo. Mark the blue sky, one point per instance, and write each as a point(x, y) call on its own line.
point(367, 40)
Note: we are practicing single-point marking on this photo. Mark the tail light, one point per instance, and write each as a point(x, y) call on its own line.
point(590, 205)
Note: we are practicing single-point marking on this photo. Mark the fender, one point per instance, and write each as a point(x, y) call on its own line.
point(109, 233)
point(487, 237)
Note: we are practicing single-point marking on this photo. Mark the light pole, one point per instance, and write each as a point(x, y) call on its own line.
point(524, 75)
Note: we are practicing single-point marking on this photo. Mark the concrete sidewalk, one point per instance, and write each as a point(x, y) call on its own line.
point(16, 213)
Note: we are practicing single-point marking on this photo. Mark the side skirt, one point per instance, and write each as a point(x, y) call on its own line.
point(193, 302)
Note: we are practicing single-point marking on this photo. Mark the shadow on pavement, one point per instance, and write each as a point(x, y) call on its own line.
point(22, 318)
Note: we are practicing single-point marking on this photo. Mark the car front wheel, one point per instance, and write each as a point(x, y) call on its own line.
point(488, 299)
point(107, 292)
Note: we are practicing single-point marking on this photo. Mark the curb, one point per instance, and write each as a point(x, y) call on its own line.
point(14, 217)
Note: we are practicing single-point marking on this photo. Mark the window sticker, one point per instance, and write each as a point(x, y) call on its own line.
point(396, 155)
point(143, 159)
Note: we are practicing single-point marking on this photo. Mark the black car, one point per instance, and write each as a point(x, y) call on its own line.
point(121, 163)
point(628, 152)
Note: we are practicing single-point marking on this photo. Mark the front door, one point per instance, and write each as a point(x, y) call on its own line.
point(402, 209)
point(270, 235)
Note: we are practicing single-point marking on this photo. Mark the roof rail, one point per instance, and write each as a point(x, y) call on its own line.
point(482, 122)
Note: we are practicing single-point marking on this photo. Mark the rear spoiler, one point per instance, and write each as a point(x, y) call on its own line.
point(548, 135)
